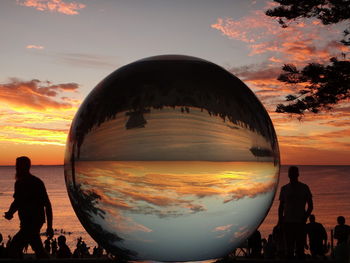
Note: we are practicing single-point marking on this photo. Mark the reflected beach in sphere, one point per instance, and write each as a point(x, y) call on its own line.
point(171, 158)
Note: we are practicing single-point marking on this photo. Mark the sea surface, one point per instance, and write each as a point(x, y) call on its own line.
point(329, 185)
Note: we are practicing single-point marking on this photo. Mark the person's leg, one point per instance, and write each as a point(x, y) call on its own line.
point(17, 244)
point(289, 233)
point(36, 244)
point(300, 239)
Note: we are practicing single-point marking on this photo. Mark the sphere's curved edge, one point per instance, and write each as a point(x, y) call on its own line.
point(132, 92)
point(171, 57)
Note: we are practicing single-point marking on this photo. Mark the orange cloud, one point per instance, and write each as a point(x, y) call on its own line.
point(30, 110)
point(138, 191)
point(262, 79)
point(67, 8)
point(300, 43)
point(34, 94)
point(34, 47)
point(223, 228)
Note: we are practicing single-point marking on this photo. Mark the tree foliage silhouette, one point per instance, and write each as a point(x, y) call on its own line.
point(324, 85)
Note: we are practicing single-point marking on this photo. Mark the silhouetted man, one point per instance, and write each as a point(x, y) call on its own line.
point(32, 203)
point(292, 215)
point(341, 231)
point(317, 237)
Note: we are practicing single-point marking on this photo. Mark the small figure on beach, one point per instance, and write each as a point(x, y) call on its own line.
point(317, 235)
point(32, 203)
point(63, 250)
point(342, 235)
point(82, 250)
point(269, 247)
point(341, 231)
point(54, 246)
point(255, 244)
point(292, 216)
point(97, 251)
point(9, 238)
point(47, 245)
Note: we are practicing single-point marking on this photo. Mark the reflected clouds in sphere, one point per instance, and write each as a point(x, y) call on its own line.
point(171, 158)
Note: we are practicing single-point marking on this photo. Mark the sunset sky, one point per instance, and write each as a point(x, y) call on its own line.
point(54, 52)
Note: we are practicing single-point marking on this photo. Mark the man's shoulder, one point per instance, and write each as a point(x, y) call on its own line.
point(284, 187)
point(319, 225)
point(302, 184)
point(36, 180)
point(303, 187)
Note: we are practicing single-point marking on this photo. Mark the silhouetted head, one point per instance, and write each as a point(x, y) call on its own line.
point(61, 240)
point(341, 220)
point(293, 174)
point(312, 218)
point(22, 166)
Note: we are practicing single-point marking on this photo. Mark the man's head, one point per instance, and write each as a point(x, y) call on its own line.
point(22, 166)
point(312, 218)
point(293, 173)
point(341, 220)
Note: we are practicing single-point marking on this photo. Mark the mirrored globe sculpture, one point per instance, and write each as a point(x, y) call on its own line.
point(171, 158)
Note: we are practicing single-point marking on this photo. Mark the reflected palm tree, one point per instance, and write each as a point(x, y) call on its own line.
point(85, 204)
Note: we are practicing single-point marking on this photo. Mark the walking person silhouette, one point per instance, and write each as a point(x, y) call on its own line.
point(32, 203)
point(292, 215)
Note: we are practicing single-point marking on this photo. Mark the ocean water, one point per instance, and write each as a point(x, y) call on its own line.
point(329, 185)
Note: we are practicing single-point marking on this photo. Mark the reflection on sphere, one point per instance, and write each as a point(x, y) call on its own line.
point(171, 158)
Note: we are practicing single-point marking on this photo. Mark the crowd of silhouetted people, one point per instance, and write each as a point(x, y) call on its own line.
point(288, 240)
point(315, 241)
point(292, 234)
point(57, 248)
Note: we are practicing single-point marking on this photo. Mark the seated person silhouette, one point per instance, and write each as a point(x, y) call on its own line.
point(63, 250)
point(341, 231)
point(32, 203)
point(317, 235)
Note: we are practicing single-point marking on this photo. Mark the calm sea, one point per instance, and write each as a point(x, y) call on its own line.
point(329, 184)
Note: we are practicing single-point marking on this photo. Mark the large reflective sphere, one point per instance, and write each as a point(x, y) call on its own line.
point(171, 158)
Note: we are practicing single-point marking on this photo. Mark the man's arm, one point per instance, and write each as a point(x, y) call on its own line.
point(280, 211)
point(14, 205)
point(48, 212)
point(325, 236)
point(310, 205)
point(13, 209)
point(336, 232)
point(281, 206)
